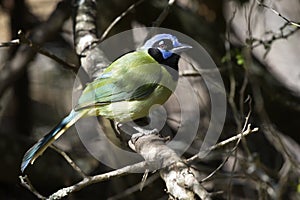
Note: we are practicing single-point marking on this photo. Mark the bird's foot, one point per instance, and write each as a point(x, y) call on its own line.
point(141, 133)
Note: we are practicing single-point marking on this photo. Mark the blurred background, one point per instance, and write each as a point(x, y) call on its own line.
point(255, 50)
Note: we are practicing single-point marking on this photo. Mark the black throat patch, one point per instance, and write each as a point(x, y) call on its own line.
point(172, 61)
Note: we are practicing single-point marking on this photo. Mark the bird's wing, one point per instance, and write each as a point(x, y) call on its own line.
point(133, 76)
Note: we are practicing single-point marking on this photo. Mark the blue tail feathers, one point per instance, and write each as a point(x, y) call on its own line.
point(37, 149)
point(30, 154)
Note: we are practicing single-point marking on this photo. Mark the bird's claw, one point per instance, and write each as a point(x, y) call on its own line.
point(141, 133)
point(136, 136)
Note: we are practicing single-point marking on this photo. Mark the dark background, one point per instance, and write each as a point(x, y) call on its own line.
point(256, 52)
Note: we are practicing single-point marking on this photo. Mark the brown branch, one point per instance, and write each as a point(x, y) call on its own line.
point(223, 143)
point(93, 60)
point(255, 42)
point(182, 183)
point(134, 188)
point(13, 69)
point(290, 22)
point(163, 14)
point(232, 80)
point(39, 49)
point(85, 26)
point(267, 43)
point(231, 152)
point(271, 133)
point(96, 179)
point(179, 178)
point(25, 182)
point(117, 19)
point(69, 160)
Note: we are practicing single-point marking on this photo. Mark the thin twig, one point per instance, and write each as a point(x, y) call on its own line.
point(266, 43)
point(223, 143)
point(255, 42)
point(39, 49)
point(96, 179)
point(117, 19)
point(144, 179)
point(229, 154)
point(271, 133)
point(290, 22)
point(134, 188)
point(200, 72)
point(25, 182)
point(163, 14)
point(232, 80)
point(160, 19)
point(247, 57)
point(70, 161)
point(10, 43)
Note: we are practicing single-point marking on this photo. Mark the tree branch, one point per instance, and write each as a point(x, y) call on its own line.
point(25, 182)
point(69, 160)
point(290, 22)
point(24, 40)
point(117, 19)
point(223, 143)
point(93, 60)
point(180, 179)
point(96, 179)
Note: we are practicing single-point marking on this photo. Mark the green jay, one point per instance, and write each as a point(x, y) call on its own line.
point(126, 89)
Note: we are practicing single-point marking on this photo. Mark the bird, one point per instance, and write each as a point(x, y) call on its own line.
point(125, 90)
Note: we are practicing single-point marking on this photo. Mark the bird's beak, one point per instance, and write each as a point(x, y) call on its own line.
point(181, 48)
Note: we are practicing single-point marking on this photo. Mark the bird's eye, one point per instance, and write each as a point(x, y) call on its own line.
point(164, 44)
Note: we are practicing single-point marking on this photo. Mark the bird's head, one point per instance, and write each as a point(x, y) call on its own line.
point(164, 44)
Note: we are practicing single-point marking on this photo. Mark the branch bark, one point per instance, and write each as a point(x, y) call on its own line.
point(93, 59)
point(96, 179)
point(181, 180)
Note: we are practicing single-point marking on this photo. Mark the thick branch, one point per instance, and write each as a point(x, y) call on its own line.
point(92, 58)
point(180, 179)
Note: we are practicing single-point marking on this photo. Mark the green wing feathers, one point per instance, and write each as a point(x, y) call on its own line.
point(133, 76)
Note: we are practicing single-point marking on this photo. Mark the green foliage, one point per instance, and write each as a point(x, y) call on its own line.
point(239, 59)
point(235, 55)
